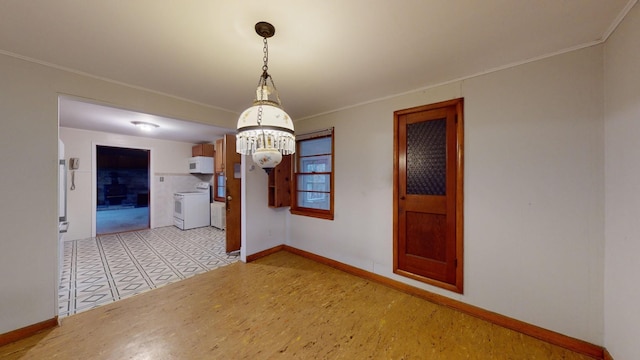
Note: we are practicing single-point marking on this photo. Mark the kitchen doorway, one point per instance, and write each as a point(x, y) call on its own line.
point(122, 189)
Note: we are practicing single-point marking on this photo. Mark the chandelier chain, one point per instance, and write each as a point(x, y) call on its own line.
point(265, 57)
point(265, 78)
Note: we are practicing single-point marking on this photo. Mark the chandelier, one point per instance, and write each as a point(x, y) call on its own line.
point(265, 130)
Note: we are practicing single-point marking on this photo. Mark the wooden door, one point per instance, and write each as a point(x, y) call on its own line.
point(232, 164)
point(428, 194)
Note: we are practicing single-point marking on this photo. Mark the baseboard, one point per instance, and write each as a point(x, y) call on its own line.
point(27, 331)
point(552, 337)
point(261, 254)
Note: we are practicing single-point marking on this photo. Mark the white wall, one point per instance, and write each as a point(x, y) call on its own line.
point(361, 232)
point(28, 154)
point(168, 160)
point(262, 227)
point(533, 191)
point(622, 132)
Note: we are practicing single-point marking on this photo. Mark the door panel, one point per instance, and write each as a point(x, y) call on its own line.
point(422, 226)
point(232, 174)
point(428, 194)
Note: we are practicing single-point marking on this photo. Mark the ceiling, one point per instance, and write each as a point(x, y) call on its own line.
point(81, 114)
point(326, 55)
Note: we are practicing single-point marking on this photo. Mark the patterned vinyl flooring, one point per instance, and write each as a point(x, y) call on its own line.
point(107, 268)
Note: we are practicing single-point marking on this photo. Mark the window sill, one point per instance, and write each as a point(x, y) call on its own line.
point(316, 214)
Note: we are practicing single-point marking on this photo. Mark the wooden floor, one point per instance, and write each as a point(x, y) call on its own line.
point(280, 307)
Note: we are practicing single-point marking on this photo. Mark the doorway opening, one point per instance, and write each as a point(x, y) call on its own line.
point(122, 189)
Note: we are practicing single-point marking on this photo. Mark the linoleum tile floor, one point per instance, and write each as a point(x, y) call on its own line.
point(107, 268)
point(282, 306)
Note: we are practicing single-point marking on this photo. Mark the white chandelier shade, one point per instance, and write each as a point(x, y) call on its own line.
point(275, 131)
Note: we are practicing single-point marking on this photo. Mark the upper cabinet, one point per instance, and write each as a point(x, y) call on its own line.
point(202, 150)
point(219, 158)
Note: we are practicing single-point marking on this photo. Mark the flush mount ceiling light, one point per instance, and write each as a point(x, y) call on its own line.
point(265, 130)
point(144, 126)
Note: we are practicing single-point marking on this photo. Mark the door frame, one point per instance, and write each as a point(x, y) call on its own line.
point(94, 179)
point(229, 170)
point(457, 286)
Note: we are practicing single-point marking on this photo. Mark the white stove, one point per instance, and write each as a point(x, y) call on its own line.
point(191, 208)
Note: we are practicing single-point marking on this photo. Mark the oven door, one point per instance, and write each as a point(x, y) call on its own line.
point(178, 206)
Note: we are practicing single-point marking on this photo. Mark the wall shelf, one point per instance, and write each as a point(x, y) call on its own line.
point(279, 184)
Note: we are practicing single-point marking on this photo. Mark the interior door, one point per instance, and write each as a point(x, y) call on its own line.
point(428, 194)
point(232, 163)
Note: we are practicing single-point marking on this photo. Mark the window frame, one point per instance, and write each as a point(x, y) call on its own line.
point(295, 169)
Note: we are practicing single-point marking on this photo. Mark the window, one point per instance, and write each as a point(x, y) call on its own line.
point(219, 187)
point(313, 175)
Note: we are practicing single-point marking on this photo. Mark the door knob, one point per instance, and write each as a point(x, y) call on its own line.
point(229, 198)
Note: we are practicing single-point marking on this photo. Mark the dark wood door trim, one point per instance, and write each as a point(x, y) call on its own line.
point(233, 195)
point(454, 209)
